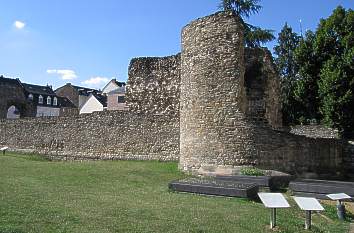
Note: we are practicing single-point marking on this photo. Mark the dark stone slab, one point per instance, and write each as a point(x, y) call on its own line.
point(271, 182)
point(320, 196)
point(215, 187)
point(320, 188)
point(264, 181)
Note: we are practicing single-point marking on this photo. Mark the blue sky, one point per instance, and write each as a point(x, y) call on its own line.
point(87, 42)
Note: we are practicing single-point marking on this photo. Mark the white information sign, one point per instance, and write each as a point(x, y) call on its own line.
point(273, 200)
point(308, 203)
point(338, 196)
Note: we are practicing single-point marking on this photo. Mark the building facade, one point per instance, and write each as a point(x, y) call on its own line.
point(76, 94)
point(115, 92)
point(19, 100)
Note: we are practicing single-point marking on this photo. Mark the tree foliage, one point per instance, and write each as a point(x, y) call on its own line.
point(288, 70)
point(243, 8)
point(322, 69)
point(335, 49)
point(306, 90)
point(254, 36)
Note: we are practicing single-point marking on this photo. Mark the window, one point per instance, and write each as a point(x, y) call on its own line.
point(40, 99)
point(121, 99)
point(49, 100)
point(30, 97)
point(55, 101)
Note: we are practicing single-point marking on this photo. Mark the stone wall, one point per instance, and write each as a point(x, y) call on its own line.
point(215, 105)
point(154, 85)
point(314, 131)
point(261, 87)
point(212, 67)
point(349, 158)
point(227, 115)
point(104, 135)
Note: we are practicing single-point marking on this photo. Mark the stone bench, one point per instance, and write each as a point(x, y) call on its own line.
point(320, 188)
point(215, 187)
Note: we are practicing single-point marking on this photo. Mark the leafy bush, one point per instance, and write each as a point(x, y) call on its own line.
point(252, 172)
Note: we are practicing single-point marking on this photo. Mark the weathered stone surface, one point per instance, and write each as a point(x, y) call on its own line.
point(262, 88)
point(230, 107)
point(216, 106)
point(211, 76)
point(103, 135)
point(314, 131)
point(154, 85)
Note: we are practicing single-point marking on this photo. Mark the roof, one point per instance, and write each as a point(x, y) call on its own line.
point(120, 84)
point(9, 80)
point(40, 90)
point(66, 103)
point(84, 90)
point(114, 81)
point(117, 91)
point(101, 98)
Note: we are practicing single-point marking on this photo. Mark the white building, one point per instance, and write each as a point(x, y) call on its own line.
point(43, 98)
point(94, 103)
point(114, 85)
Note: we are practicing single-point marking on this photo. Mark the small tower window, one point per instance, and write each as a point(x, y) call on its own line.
point(40, 99)
point(49, 100)
point(121, 99)
point(55, 101)
point(30, 97)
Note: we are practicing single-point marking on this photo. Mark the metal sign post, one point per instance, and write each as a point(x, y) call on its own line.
point(273, 201)
point(308, 220)
point(273, 218)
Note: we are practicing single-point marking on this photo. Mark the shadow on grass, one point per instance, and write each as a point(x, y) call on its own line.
point(29, 157)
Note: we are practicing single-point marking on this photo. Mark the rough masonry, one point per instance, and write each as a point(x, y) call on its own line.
point(103, 135)
point(230, 107)
point(154, 85)
point(214, 106)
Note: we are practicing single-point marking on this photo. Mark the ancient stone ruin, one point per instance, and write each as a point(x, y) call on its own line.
point(214, 106)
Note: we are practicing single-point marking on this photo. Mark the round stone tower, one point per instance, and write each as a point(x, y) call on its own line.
point(212, 74)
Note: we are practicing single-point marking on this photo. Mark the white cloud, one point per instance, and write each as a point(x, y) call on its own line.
point(64, 74)
point(19, 25)
point(96, 81)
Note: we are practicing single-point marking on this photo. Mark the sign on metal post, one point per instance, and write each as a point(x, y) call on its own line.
point(273, 201)
point(4, 149)
point(339, 197)
point(308, 204)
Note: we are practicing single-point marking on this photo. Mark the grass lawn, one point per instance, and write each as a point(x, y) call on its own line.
point(127, 196)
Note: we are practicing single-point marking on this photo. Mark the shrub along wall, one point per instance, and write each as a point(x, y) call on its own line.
point(104, 135)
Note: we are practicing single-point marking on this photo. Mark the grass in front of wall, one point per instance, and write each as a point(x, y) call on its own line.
point(127, 196)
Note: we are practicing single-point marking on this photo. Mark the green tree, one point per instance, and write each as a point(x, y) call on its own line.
point(335, 42)
point(288, 70)
point(326, 68)
point(254, 36)
point(306, 88)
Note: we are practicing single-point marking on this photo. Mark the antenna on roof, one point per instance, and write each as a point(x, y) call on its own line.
point(301, 28)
